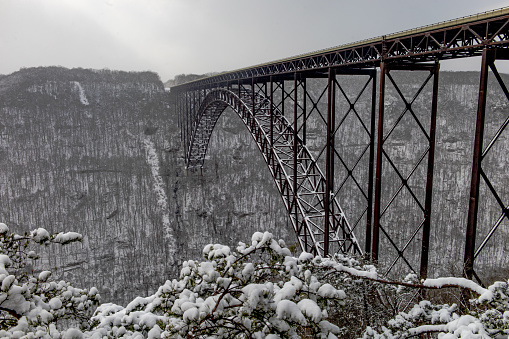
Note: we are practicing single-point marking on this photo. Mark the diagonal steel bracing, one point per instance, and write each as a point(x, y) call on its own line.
point(400, 248)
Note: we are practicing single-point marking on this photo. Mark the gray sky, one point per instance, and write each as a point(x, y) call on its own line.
point(198, 36)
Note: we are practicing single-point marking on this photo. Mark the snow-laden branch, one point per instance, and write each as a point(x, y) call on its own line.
point(255, 290)
point(31, 303)
point(369, 272)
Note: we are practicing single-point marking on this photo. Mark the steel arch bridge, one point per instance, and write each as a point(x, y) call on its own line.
point(296, 174)
point(276, 104)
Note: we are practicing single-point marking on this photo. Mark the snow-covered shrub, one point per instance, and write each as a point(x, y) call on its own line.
point(32, 304)
point(256, 290)
point(368, 303)
point(487, 316)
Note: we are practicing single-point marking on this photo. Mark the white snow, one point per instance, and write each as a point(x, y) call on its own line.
point(426, 328)
point(7, 282)
point(287, 309)
point(154, 333)
point(305, 257)
point(191, 314)
point(4, 261)
point(452, 281)
point(159, 189)
point(55, 303)
point(3, 228)
point(310, 309)
point(248, 270)
point(329, 291)
point(81, 91)
point(254, 293)
point(44, 275)
point(40, 235)
point(73, 333)
point(467, 327)
point(64, 238)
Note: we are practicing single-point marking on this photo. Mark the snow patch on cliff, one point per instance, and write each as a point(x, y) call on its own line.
point(81, 91)
point(159, 189)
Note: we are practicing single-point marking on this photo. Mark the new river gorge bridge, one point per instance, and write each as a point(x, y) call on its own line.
point(280, 108)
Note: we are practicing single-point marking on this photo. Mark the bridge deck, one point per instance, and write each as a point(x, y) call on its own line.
point(458, 38)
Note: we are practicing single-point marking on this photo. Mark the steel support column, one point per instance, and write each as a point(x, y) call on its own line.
point(253, 95)
point(271, 113)
point(369, 213)
point(487, 58)
point(186, 145)
point(329, 151)
point(375, 248)
point(295, 144)
point(304, 114)
point(429, 178)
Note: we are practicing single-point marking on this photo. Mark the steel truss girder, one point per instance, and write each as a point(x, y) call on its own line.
point(300, 181)
point(461, 38)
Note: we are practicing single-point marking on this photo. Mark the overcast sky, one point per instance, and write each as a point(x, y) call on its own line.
point(198, 36)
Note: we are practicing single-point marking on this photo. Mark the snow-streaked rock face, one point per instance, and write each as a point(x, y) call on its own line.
point(113, 171)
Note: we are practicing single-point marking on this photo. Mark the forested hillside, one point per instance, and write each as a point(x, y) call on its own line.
point(98, 152)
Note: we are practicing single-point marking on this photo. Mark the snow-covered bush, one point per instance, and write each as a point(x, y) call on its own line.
point(368, 302)
point(32, 304)
point(257, 290)
point(487, 316)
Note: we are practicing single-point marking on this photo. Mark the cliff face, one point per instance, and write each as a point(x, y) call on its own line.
point(98, 152)
point(75, 145)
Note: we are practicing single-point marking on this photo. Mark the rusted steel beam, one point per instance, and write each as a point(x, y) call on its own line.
point(186, 96)
point(375, 248)
point(371, 164)
point(271, 112)
point(304, 113)
point(329, 162)
point(488, 58)
point(429, 177)
point(295, 144)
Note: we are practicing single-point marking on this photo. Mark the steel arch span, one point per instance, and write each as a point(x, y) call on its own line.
point(299, 180)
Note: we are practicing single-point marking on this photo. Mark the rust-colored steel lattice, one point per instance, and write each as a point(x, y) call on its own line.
point(282, 102)
point(299, 180)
